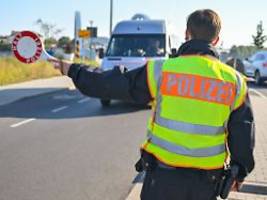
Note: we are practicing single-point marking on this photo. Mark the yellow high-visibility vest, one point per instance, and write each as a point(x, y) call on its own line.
point(193, 98)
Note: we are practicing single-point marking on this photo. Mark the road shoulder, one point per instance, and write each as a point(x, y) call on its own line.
point(15, 92)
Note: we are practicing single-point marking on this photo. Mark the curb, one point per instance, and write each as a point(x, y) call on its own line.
point(135, 192)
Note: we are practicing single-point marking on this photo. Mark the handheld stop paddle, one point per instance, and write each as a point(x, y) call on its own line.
point(27, 47)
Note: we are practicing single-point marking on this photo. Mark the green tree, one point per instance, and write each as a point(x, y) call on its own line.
point(242, 52)
point(50, 42)
point(234, 51)
point(259, 38)
point(48, 30)
point(66, 43)
point(4, 46)
point(63, 42)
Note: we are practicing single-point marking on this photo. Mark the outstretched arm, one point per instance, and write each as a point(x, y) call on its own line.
point(114, 84)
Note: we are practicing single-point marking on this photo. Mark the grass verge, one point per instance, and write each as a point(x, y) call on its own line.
point(13, 71)
point(87, 62)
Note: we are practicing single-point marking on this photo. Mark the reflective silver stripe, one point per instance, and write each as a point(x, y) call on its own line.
point(178, 125)
point(174, 148)
point(238, 89)
point(157, 69)
point(188, 127)
point(157, 77)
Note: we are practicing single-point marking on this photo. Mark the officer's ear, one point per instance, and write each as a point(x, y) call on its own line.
point(187, 35)
point(215, 41)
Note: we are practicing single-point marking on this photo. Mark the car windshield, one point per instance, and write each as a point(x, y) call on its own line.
point(139, 45)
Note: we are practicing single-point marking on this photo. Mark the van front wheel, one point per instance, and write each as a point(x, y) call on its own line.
point(105, 102)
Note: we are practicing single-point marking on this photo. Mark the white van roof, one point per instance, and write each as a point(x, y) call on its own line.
point(140, 27)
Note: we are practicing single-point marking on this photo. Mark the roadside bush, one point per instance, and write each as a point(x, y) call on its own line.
point(13, 71)
point(87, 62)
point(5, 47)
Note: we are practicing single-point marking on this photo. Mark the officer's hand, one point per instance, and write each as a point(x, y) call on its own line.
point(63, 66)
point(236, 186)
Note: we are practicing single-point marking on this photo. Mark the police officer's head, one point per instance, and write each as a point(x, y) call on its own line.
point(203, 25)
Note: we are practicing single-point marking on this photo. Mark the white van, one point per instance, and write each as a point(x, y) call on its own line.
point(135, 41)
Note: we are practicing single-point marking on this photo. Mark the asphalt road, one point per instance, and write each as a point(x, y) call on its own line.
point(261, 89)
point(65, 146)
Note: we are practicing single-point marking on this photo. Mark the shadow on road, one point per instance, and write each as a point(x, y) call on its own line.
point(40, 107)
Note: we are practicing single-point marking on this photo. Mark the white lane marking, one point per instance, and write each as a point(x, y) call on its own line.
point(65, 97)
point(258, 93)
point(59, 109)
point(22, 122)
point(84, 100)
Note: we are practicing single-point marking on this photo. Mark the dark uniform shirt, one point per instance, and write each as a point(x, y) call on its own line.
point(132, 86)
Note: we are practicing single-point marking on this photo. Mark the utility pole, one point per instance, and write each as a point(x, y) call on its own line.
point(90, 39)
point(91, 23)
point(111, 17)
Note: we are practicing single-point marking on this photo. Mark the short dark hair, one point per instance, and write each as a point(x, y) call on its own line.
point(204, 25)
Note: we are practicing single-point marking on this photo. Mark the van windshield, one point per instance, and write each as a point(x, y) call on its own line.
point(138, 45)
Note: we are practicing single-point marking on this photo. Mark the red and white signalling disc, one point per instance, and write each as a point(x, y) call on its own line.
point(28, 47)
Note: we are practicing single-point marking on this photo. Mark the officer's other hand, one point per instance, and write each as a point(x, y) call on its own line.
point(61, 65)
point(236, 186)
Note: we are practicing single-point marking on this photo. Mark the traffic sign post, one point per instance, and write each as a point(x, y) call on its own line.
point(84, 33)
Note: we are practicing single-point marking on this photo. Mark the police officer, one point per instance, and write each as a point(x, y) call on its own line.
point(201, 114)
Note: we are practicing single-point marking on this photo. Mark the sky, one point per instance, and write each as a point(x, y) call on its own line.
point(239, 18)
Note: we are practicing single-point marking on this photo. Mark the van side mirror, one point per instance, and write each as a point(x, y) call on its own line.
point(101, 53)
point(173, 52)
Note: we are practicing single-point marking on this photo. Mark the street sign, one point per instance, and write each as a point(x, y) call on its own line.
point(93, 31)
point(84, 33)
point(27, 47)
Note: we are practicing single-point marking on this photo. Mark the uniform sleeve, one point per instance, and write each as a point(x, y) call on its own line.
point(241, 138)
point(241, 90)
point(129, 86)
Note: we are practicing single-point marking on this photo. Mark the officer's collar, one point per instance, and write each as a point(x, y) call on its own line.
point(197, 47)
